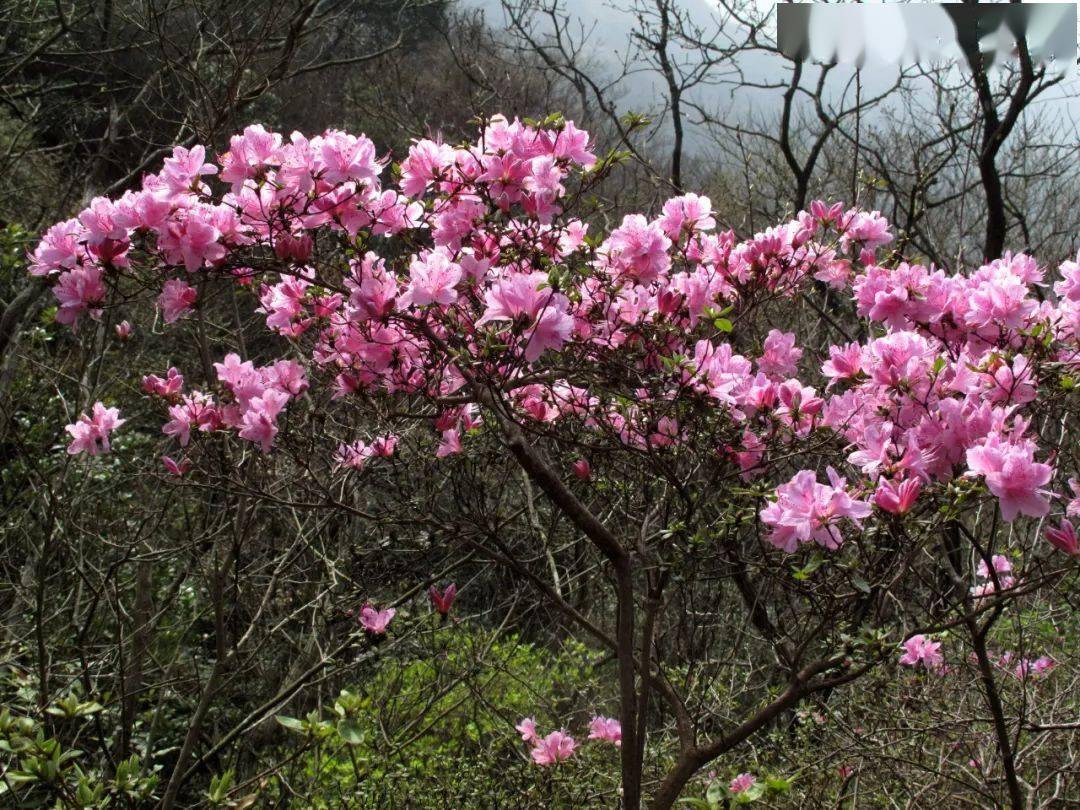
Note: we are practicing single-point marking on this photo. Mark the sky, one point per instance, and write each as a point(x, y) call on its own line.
point(611, 26)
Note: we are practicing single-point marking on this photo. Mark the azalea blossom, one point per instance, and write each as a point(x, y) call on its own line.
point(897, 498)
point(553, 749)
point(742, 783)
point(607, 729)
point(527, 728)
point(1013, 475)
point(919, 650)
point(90, 434)
point(1064, 538)
point(806, 511)
point(177, 297)
point(375, 621)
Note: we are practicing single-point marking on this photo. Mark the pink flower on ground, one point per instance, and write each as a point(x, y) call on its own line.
point(921, 650)
point(90, 435)
point(176, 299)
point(444, 600)
point(552, 749)
point(1064, 538)
point(527, 729)
point(742, 783)
point(607, 729)
point(375, 621)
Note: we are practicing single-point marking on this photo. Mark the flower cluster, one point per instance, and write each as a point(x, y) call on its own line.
point(491, 286)
point(558, 745)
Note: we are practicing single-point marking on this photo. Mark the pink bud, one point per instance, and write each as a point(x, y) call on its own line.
point(582, 469)
point(442, 601)
point(123, 330)
point(176, 468)
point(1064, 538)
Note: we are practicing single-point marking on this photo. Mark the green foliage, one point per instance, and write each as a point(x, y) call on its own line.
point(440, 729)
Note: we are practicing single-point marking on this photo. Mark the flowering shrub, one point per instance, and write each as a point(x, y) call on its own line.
point(636, 375)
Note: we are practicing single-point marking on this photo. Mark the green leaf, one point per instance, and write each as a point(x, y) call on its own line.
point(351, 732)
point(778, 784)
point(291, 723)
point(723, 324)
point(860, 583)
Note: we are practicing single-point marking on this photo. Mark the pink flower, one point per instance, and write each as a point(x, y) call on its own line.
point(185, 167)
point(844, 362)
point(177, 468)
point(384, 446)
point(865, 231)
point(552, 749)
point(582, 469)
point(123, 330)
point(897, 498)
point(169, 387)
point(442, 602)
point(375, 621)
point(607, 729)
point(1073, 508)
point(540, 313)
point(346, 157)
point(59, 247)
point(742, 783)
point(1001, 566)
point(79, 291)
point(432, 279)
point(638, 250)
point(780, 357)
point(450, 444)
point(259, 422)
point(689, 212)
point(921, 650)
point(1064, 538)
point(426, 161)
point(353, 455)
point(176, 299)
point(1012, 475)
point(806, 511)
point(191, 238)
point(248, 154)
point(1026, 668)
point(90, 435)
point(527, 729)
